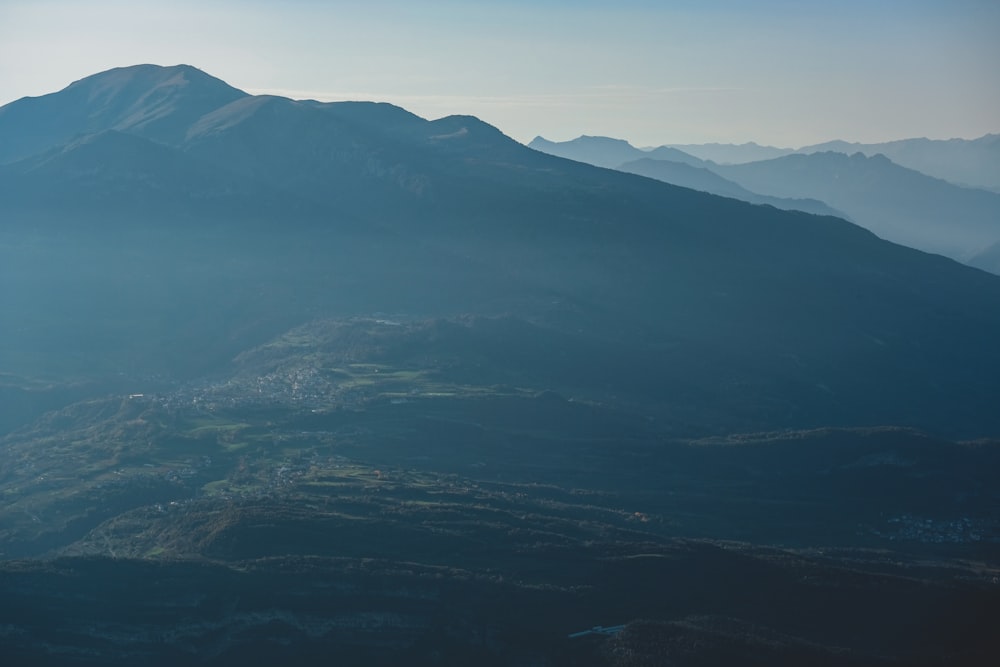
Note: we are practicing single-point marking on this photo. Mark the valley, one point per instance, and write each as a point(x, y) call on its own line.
point(405, 486)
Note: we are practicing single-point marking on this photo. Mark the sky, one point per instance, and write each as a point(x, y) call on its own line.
point(779, 72)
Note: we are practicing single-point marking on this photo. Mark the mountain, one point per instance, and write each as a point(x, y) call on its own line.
point(284, 379)
point(705, 180)
point(733, 153)
point(608, 152)
point(669, 165)
point(158, 103)
point(971, 163)
point(896, 203)
point(967, 162)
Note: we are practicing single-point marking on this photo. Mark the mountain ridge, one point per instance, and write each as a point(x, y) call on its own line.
point(973, 163)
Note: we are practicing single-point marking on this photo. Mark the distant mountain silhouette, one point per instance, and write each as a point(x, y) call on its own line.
point(172, 240)
point(733, 153)
point(966, 162)
point(700, 178)
point(897, 203)
point(971, 163)
point(668, 165)
point(607, 152)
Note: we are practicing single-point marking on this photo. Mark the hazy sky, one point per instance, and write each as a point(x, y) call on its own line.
point(774, 71)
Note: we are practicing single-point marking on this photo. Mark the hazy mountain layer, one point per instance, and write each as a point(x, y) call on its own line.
point(733, 153)
point(395, 490)
point(669, 165)
point(900, 205)
point(706, 180)
point(968, 162)
point(971, 163)
point(608, 152)
point(896, 203)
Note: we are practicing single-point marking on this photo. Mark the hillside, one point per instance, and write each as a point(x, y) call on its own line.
point(608, 152)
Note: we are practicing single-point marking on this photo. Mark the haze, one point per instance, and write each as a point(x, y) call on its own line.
point(780, 72)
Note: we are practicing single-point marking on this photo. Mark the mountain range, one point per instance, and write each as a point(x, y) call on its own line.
point(973, 163)
point(899, 204)
point(283, 379)
point(896, 203)
point(732, 153)
point(670, 165)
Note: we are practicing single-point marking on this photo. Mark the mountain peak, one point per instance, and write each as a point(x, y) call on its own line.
point(155, 102)
point(142, 70)
point(136, 82)
point(138, 96)
point(601, 151)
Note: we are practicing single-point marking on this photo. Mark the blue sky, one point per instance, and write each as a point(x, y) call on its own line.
point(773, 71)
